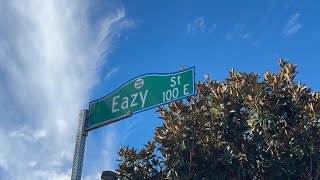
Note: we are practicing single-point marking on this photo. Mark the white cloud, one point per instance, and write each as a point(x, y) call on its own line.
point(199, 25)
point(39, 133)
point(32, 163)
point(245, 36)
point(108, 150)
point(26, 133)
point(50, 55)
point(97, 176)
point(292, 26)
point(240, 31)
point(130, 128)
point(102, 153)
point(54, 175)
point(111, 72)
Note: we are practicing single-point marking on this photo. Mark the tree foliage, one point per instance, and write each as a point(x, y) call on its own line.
point(245, 127)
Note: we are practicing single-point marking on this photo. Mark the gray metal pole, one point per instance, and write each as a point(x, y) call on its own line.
point(80, 145)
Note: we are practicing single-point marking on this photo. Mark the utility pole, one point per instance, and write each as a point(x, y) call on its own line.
point(80, 145)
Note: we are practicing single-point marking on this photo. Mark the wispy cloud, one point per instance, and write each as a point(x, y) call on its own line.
point(50, 55)
point(111, 72)
point(104, 157)
point(28, 134)
point(198, 25)
point(292, 26)
point(240, 31)
point(97, 176)
point(109, 149)
point(131, 127)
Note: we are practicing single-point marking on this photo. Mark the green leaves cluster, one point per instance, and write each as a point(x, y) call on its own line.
point(242, 128)
point(140, 165)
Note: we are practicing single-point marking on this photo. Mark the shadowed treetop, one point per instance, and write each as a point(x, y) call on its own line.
point(245, 127)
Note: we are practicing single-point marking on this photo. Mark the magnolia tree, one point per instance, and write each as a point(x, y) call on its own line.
point(245, 127)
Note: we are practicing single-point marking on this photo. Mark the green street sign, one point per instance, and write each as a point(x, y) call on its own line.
point(140, 94)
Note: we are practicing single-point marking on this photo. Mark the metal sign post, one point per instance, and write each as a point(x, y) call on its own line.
point(80, 145)
point(81, 141)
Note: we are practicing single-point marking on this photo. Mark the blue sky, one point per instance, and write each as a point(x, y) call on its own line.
point(213, 36)
point(57, 56)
